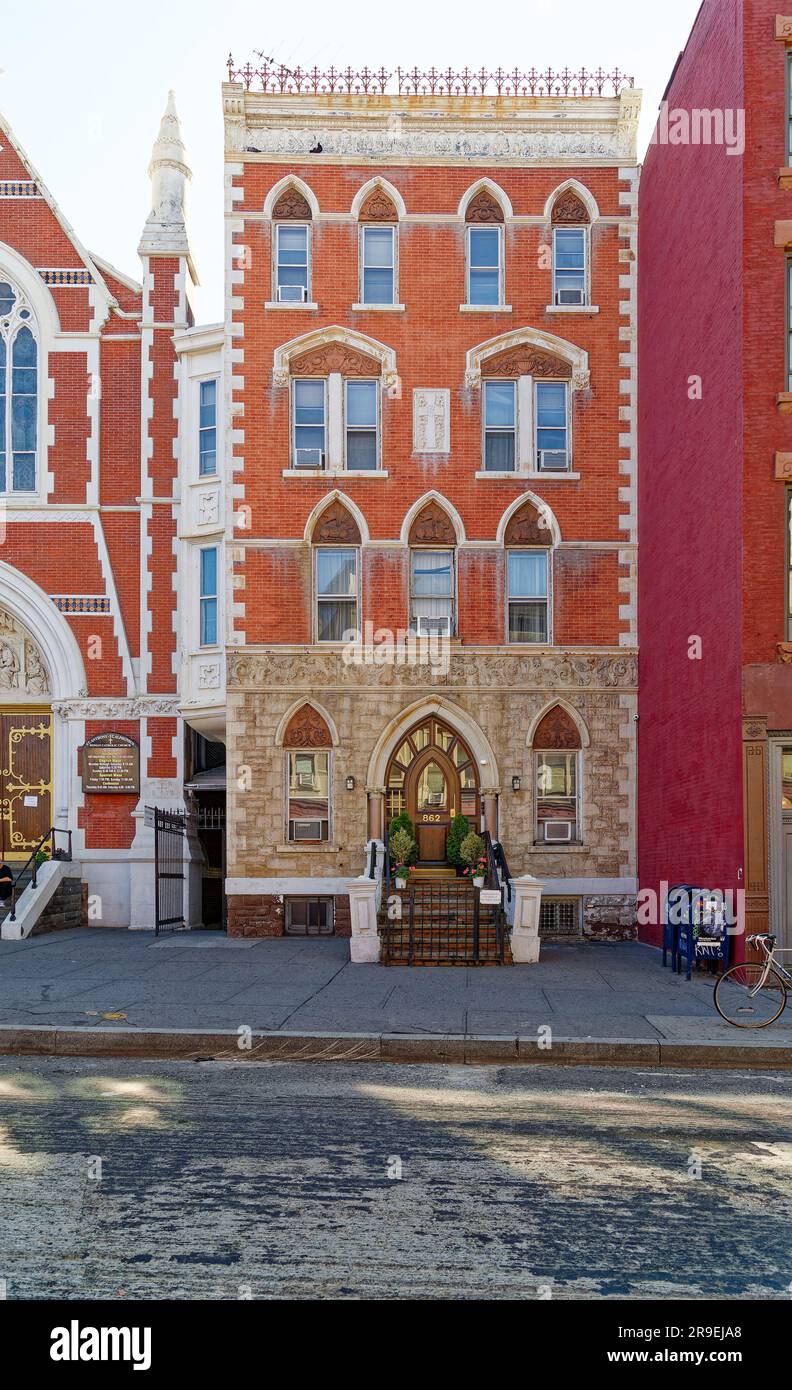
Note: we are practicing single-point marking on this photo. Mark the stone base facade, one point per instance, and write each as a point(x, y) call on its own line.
point(610, 917)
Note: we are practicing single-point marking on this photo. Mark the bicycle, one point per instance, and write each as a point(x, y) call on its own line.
point(754, 994)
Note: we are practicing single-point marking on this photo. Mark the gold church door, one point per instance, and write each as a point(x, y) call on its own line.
point(25, 780)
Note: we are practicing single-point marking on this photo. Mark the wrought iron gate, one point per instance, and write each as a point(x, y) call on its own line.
point(169, 831)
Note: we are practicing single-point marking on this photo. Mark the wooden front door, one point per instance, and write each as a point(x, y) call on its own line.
point(25, 780)
point(432, 791)
point(432, 776)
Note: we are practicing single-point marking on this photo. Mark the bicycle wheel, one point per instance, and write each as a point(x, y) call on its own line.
point(742, 1003)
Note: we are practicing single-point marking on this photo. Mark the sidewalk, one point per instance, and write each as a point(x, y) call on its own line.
point(100, 990)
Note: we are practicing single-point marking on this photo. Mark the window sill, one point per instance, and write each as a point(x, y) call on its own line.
point(314, 846)
point(572, 309)
point(313, 473)
point(785, 178)
point(485, 308)
point(289, 304)
point(784, 402)
point(378, 309)
point(519, 473)
point(574, 847)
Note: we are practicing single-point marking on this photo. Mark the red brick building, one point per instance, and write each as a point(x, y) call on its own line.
point(715, 745)
point(89, 436)
point(430, 425)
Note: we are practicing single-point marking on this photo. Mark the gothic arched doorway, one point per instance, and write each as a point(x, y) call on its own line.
point(433, 776)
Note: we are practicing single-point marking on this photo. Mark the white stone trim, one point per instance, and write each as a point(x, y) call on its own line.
point(586, 197)
point(574, 714)
point(334, 333)
point(576, 356)
point(486, 185)
point(543, 508)
point(368, 188)
point(447, 506)
point(322, 505)
point(298, 704)
point(291, 181)
point(451, 713)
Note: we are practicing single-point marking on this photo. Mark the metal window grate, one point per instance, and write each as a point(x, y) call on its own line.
point(560, 917)
point(309, 917)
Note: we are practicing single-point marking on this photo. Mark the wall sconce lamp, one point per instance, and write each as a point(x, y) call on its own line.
point(515, 784)
point(350, 784)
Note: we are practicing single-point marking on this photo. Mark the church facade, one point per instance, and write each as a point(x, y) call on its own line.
point(89, 595)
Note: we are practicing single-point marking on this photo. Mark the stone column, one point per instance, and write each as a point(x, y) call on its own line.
point(525, 934)
point(365, 942)
point(376, 808)
point(490, 801)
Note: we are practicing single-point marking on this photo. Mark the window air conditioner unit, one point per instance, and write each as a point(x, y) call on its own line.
point(307, 829)
point(292, 294)
point(557, 831)
point(438, 627)
point(568, 295)
point(309, 458)
point(552, 460)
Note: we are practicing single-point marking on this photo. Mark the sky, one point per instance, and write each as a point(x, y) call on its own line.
point(84, 85)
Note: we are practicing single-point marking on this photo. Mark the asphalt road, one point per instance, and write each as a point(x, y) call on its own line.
point(247, 1180)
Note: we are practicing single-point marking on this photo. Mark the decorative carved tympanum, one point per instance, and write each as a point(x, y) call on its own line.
point(307, 729)
point(334, 357)
point(432, 526)
point(483, 208)
point(22, 668)
point(378, 207)
point(336, 526)
point(292, 206)
point(525, 528)
point(557, 730)
point(568, 207)
point(527, 361)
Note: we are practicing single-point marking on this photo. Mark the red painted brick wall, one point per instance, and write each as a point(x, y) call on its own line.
point(690, 513)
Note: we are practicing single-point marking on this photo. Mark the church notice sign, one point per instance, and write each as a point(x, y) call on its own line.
point(111, 763)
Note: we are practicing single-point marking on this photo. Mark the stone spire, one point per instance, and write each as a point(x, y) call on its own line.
point(165, 232)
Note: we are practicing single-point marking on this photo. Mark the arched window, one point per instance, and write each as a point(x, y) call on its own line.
point(336, 545)
point(528, 574)
point(18, 392)
point(570, 221)
point(291, 261)
point(484, 244)
point(379, 230)
point(432, 541)
point(307, 742)
point(557, 753)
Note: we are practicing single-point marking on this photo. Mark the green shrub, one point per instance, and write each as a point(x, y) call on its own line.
point(403, 822)
point(460, 827)
point(402, 846)
point(473, 850)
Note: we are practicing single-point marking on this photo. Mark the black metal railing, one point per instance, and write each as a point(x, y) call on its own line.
point(55, 853)
point(442, 924)
point(503, 868)
point(277, 79)
point(491, 879)
point(372, 868)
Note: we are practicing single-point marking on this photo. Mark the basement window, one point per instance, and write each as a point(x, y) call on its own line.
point(309, 916)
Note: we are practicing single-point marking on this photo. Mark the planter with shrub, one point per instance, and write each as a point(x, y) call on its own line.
point(474, 855)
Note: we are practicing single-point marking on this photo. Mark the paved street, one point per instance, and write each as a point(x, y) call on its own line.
point(206, 980)
point(237, 1180)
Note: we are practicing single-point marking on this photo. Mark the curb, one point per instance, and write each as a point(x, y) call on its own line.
point(203, 1044)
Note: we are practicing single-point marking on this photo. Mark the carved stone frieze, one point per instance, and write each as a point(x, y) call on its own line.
point(378, 207)
point(378, 143)
point(311, 670)
point(528, 361)
point(483, 208)
point(336, 526)
point(140, 707)
point(334, 357)
point(291, 206)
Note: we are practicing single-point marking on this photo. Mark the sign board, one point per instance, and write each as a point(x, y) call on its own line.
point(111, 763)
point(490, 897)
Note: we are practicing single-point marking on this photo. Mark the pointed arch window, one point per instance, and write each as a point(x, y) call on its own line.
point(557, 754)
point(18, 392)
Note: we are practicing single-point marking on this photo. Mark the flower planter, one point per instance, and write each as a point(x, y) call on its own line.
point(401, 882)
point(478, 881)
